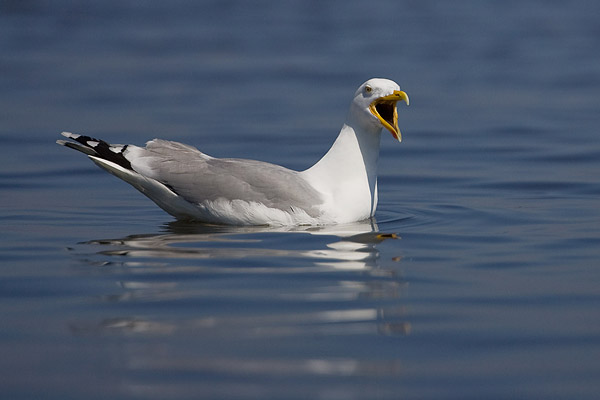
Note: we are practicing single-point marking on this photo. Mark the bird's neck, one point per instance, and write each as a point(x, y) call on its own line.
point(347, 174)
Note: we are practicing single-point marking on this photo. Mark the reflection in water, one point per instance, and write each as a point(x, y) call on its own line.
point(234, 289)
point(353, 242)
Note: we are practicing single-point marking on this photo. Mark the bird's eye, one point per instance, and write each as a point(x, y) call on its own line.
point(368, 89)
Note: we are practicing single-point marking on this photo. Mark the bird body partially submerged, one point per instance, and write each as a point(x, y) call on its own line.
point(188, 184)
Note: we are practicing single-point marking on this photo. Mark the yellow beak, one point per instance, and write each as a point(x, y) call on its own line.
point(384, 108)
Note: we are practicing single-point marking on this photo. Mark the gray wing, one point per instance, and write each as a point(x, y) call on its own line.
point(197, 177)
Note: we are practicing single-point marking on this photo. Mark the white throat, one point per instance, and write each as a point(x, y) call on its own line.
point(347, 174)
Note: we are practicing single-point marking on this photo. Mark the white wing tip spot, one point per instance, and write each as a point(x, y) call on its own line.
point(70, 135)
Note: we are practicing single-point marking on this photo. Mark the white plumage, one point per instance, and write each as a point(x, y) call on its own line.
point(188, 184)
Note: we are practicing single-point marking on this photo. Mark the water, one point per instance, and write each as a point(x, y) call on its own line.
point(489, 291)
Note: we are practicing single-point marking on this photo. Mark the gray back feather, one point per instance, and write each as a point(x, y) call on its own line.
point(198, 177)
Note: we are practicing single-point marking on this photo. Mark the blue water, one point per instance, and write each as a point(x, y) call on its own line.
point(491, 289)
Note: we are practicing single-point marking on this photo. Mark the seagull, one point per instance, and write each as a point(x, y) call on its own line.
point(190, 185)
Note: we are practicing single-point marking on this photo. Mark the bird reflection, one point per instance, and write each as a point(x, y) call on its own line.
point(224, 304)
point(184, 253)
point(351, 246)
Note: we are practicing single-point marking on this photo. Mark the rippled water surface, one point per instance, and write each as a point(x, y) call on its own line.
point(477, 279)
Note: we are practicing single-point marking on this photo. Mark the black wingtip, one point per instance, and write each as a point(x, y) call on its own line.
point(96, 147)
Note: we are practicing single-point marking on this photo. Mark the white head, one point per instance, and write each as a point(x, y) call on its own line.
point(374, 105)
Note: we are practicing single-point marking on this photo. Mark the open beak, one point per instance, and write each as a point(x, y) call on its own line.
point(384, 108)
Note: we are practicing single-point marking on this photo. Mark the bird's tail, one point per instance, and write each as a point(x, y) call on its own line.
point(97, 148)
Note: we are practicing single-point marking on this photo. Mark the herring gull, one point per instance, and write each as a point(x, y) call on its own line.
point(190, 185)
